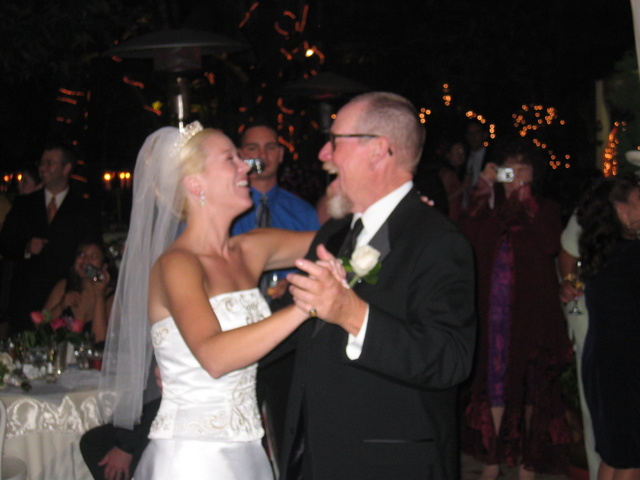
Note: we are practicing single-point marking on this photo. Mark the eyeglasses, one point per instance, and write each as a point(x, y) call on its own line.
point(333, 136)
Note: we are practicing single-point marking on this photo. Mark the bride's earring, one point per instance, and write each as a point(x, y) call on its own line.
point(202, 198)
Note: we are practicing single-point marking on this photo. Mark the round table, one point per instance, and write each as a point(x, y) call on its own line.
point(44, 425)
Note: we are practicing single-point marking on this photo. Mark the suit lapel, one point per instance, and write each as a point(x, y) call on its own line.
point(380, 240)
point(334, 243)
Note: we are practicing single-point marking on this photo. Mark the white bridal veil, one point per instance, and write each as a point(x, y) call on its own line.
point(155, 214)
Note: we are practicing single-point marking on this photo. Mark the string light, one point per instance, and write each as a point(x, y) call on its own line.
point(610, 152)
point(534, 118)
point(470, 114)
point(446, 95)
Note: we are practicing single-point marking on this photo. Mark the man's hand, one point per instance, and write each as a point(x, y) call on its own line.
point(116, 464)
point(427, 200)
point(325, 293)
point(36, 245)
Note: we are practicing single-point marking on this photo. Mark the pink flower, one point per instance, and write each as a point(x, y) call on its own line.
point(37, 318)
point(78, 326)
point(58, 323)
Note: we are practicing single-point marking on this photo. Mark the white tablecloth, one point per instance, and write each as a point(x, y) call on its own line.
point(44, 426)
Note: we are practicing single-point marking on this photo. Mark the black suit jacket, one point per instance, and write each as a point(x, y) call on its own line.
point(390, 414)
point(34, 278)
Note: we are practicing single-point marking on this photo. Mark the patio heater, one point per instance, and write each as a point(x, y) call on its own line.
point(177, 53)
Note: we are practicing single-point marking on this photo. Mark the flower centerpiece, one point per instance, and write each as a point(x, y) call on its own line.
point(47, 346)
point(364, 264)
point(53, 331)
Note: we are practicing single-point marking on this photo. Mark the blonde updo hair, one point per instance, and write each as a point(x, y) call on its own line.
point(193, 157)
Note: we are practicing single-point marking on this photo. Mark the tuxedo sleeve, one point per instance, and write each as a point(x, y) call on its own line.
point(132, 440)
point(422, 326)
point(16, 231)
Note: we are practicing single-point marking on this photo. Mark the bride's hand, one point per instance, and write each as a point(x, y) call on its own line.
point(331, 263)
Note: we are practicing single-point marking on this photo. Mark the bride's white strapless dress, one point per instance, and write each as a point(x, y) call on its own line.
point(206, 428)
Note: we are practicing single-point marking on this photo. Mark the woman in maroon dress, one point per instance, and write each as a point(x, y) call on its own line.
point(513, 410)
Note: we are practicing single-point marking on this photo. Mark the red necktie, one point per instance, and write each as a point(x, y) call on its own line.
point(52, 208)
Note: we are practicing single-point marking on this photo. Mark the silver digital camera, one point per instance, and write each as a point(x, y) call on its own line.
point(505, 175)
point(256, 165)
point(93, 273)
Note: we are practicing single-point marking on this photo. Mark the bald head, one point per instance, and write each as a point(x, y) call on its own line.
point(394, 117)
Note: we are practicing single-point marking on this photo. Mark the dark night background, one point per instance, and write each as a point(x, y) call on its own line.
point(494, 56)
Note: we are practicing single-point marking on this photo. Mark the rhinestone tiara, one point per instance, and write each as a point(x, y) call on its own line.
point(187, 132)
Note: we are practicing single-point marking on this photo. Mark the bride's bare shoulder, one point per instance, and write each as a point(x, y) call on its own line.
point(177, 257)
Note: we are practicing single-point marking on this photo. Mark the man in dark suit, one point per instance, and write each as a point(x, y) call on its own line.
point(374, 388)
point(41, 234)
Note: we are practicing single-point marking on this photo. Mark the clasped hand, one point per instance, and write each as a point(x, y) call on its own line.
point(325, 290)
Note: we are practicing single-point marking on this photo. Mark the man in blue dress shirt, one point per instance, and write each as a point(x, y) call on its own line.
point(275, 207)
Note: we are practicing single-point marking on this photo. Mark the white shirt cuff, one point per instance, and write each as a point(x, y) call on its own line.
point(355, 342)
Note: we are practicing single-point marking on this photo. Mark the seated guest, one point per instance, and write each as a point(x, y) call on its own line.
point(86, 293)
point(610, 260)
point(112, 453)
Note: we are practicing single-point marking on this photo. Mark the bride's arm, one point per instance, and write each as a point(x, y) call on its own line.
point(177, 283)
point(281, 247)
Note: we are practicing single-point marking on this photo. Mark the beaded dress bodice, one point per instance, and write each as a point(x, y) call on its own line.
point(194, 404)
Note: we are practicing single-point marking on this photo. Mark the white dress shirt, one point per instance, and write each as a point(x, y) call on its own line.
point(372, 219)
point(59, 197)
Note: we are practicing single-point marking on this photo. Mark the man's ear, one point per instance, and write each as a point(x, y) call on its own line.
point(66, 169)
point(379, 151)
point(280, 154)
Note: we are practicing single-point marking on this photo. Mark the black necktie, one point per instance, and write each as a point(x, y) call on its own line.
point(349, 244)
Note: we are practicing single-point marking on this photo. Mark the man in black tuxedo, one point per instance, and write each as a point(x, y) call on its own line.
point(41, 234)
point(374, 388)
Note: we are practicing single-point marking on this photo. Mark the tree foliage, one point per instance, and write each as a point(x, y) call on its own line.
point(58, 38)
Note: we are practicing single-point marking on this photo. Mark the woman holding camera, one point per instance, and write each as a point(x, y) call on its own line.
point(513, 410)
point(86, 293)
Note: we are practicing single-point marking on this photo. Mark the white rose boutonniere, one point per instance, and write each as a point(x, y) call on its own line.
point(364, 264)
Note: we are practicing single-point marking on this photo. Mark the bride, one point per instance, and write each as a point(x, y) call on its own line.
point(209, 324)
